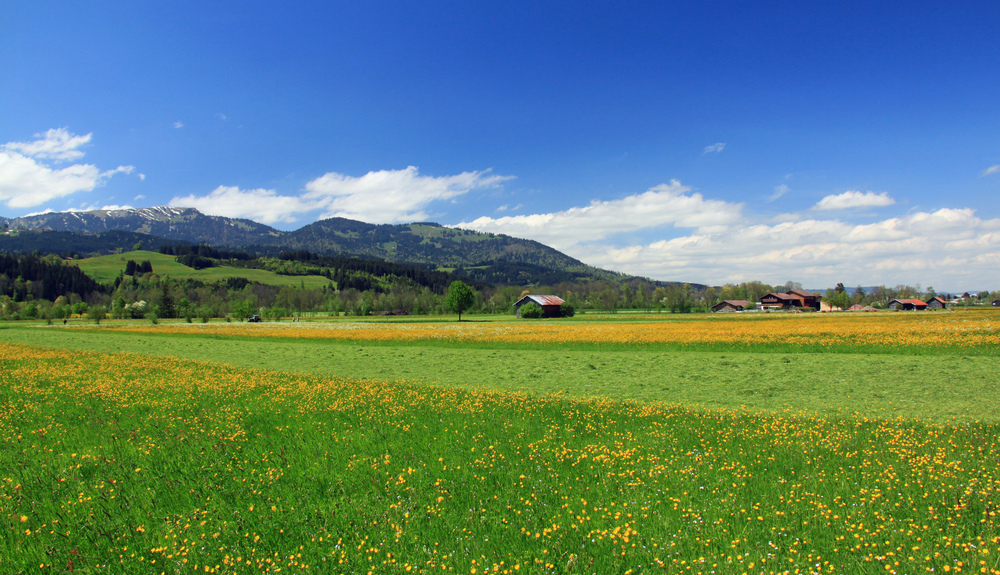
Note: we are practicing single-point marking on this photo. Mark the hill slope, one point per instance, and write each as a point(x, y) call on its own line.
point(106, 268)
point(186, 224)
point(522, 261)
point(86, 245)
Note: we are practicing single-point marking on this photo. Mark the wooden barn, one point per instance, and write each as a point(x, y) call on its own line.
point(791, 299)
point(732, 305)
point(775, 300)
point(809, 299)
point(937, 302)
point(907, 304)
point(550, 304)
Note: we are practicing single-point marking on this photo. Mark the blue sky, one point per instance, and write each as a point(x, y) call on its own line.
point(701, 141)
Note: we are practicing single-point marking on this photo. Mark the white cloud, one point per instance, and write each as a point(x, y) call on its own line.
point(715, 148)
point(260, 205)
point(854, 199)
point(779, 191)
point(41, 213)
point(949, 248)
point(178, 125)
point(786, 217)
point(991, 170)
point(27, 180)
point(56, 144)
point(221, 116)
point(390, 196)
point(666, 204)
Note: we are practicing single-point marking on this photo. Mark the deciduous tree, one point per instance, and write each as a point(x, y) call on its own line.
point(459, 298)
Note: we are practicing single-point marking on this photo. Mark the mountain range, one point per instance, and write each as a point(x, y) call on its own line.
point(490, 257)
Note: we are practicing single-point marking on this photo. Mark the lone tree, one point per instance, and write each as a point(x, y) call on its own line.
point(459, 298)
point(165, 307)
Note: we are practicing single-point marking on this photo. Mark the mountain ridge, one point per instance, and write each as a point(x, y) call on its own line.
point(425, 243)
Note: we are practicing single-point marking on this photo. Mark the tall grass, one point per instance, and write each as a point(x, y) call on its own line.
point(124, 463)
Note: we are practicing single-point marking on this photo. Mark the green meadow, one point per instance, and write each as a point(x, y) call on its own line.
point(937, 388)
point(106, 268)
point(166, 452)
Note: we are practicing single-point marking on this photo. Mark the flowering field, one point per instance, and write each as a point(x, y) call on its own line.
point(976, 332)
point(114, 463)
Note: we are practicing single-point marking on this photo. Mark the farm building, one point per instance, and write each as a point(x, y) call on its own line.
point(791, 299)
point(859, 307)
point(824, 306)
point(731, 305)
point(996, 303)
point(550, 304)
point(907, 304)
point(779, 301)
point(937, 302)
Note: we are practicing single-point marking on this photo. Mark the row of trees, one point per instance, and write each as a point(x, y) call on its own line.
point(45, 286)
point(880, 296)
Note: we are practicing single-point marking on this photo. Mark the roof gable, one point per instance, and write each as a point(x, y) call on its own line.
point(542, 300)
point(803, 293)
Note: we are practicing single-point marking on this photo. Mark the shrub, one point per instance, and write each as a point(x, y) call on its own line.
point(568, 310)
point(275, 313)
point(80, 308)
point(206, 312)
point(97, 313)
point(531, 311)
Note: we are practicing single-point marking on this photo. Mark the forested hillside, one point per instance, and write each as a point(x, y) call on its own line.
point(423, 243)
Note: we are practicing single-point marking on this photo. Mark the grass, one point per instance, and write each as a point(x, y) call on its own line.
point(106, 268)
point(129, 463)
point(910, 334)
point(175, 450)
point(787, 377)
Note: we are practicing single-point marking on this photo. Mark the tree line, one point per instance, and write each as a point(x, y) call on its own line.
point(36, 286)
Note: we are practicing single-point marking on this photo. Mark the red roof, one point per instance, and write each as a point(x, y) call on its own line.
point(542, 300)
point(784, 296)
point(804, 293)
point(733, 303)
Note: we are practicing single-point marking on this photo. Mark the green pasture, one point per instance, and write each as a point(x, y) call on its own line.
point(106, 268)
point(952, 386)
point(139, 463)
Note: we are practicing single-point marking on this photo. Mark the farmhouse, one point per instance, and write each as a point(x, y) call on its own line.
point(907, 304)
point(791, 299)
point(937, 302)
point(731, 305)
point(776, 300)
point(550, 304)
